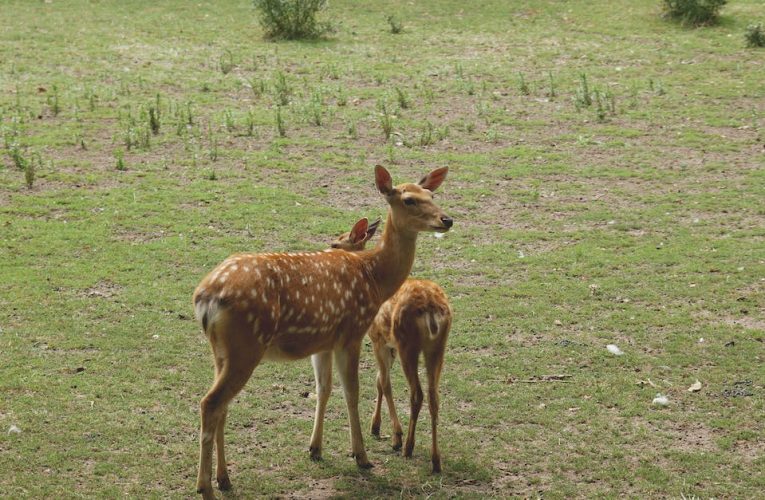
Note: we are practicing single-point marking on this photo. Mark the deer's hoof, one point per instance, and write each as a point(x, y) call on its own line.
point(207, 493)
point(397, 438)
point(362, 462)
point(224, 483)
point(315, 454)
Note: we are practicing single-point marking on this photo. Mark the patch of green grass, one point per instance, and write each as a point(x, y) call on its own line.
point(643, 229)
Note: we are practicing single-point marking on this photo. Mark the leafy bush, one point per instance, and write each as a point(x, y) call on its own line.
point(292, 19)
point(694, 12)
point(755, 36)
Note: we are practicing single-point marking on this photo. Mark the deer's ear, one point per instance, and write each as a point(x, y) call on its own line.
point(359, 231)
point(371, 230)
point(434, 179)
point(383, 180)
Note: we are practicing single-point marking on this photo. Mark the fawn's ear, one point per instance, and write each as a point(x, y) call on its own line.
point(359, 231)
point(371, 230)
point(434, 179)
point(383, 181)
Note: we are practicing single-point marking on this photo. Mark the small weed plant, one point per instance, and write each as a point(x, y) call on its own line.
point(120, 157)
point(280, 127)
point(583, 97)
point(523, 87)
point(396, 26)
point(386, 120)
point(402, 98)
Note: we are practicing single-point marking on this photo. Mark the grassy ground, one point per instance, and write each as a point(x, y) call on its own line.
point(636, 220)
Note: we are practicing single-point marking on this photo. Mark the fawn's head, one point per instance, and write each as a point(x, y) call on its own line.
point(356, 238)
point(412, 205)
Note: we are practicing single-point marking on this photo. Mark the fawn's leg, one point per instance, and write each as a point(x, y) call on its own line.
point(409, 361)
point(385, 357)
point(433, 363)
point(322, 371)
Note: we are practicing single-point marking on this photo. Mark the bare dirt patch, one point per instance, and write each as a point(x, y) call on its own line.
point(104, 289)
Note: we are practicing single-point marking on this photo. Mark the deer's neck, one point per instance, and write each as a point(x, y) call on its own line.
point(390, 262)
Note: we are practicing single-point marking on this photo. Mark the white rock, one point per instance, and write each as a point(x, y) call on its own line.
point(613, 349)
point(695, 387)
point(660, 400)
point(14, 430)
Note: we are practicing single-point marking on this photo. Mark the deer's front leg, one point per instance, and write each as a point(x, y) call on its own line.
point(322, 371)
point(347, 360)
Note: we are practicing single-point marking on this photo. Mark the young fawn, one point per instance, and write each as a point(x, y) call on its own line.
point(287, 306)
point(415, 320)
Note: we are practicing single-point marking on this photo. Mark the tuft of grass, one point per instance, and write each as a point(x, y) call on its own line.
point(249, 123)
point(427, 136)
point(754, 36)
point(226, 62)
point(292, 19)
point(228, 120)
point(19, 160)
point(154, 120)
point(693, 12)
point(53, 102)
point(29, 171)
point(523, 87)
point(279, 121)
point(119, 155)
point(583, 98)
point(282, 89)
point(395, 24)
point(551, 92)
point(386, 120)
point(352, 130)
point(402, 98)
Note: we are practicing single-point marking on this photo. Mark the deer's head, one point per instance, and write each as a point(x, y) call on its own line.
point(356, 238)
point(412, 205)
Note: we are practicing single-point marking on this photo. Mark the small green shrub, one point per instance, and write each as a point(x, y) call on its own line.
point(396, 26)
point(755, 36)
point(292, 19)
point(693, 12)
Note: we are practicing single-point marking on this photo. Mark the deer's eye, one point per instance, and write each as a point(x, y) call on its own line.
point(410, 201)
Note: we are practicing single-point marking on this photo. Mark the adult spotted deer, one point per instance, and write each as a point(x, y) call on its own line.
point(417, 319)
point(287, 306)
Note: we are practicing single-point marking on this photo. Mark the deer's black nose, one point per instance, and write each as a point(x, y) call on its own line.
point(447, 221)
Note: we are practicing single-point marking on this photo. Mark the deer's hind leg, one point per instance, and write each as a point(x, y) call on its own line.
point(236, 354)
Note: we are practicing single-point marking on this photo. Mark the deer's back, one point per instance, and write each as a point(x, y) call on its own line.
point(419, 308)
point(296, 303)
